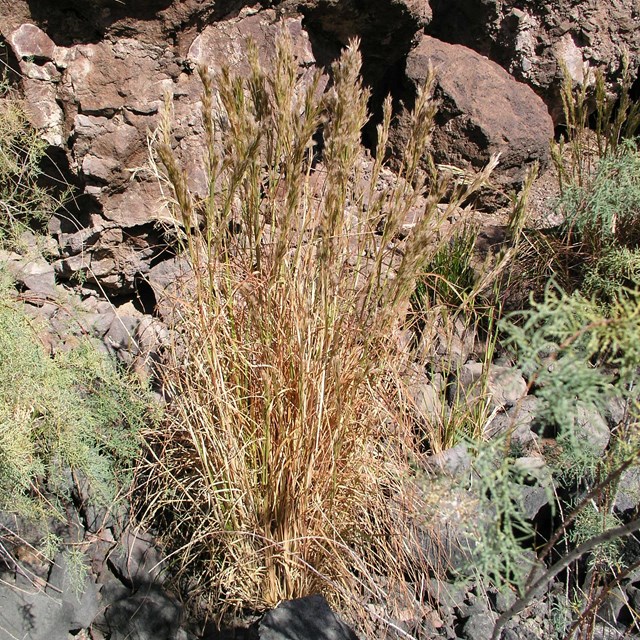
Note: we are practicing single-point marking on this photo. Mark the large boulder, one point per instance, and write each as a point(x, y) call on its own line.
point(482, 111)
point(533, 40)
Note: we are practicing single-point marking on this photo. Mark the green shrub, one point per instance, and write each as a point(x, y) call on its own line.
point(590, 522)
point(571, 351)
point(578, 360)
point(616, 273)
point(603, 213)
point(502, 531)
point(74, 412)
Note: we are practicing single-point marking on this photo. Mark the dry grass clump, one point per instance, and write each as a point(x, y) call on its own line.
point(285, 465)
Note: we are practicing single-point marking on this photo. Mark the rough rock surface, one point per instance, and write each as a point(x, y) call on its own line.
point(482, 111)
point(532, 39)
point(99, 102)
point(505, 385)
point(308, 618)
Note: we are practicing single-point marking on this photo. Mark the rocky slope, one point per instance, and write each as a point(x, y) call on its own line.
point(96, 75)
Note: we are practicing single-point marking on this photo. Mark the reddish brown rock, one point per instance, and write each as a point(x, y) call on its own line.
point(28, 41)
point(533, 39)
point(100, 102)
point(483, 111)
point(108, 78)
point(225, 43)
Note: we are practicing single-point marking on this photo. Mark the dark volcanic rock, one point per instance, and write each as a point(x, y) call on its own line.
point(532, 39)
point(31, 608)
point(149, 614)
point(386, 28)
point(307, 618)
point(483, 111)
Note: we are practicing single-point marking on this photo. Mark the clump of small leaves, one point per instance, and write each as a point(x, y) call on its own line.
point(75, 411)
point(616, 273)
point(604, 211)
point(577, 360)
point(590, 522)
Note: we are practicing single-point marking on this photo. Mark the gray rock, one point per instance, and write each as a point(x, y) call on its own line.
point(151, 335)
point(448, 596)
point(633, 594)
point(504, 385)
point(628, 494)
point(616, 411)
point(136, 561)
point(505, 598)
point(603, 631)
point(451, 526)
point(516, 422)
point(97, 518)
point(149, 614)
point(449, 348)
point(28, 613)
point(41, 611)
point(479, 626)
point(425, 397)
point(591, 426)
point(100, 323)
point(169, 280)
point(614, 602)
point(532, 499)
point(454, 461)
point(121, 333)
point(530, 628)
point(33, 272)
point(76, 588)
point(308, 618)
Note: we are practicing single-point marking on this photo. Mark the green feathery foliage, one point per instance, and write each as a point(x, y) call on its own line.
point(604, 211)
point(73, 411)
point(578, 361)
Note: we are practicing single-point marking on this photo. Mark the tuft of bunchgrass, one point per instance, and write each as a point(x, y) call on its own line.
point(617, 118)
point(285, 465)
point(598, 167)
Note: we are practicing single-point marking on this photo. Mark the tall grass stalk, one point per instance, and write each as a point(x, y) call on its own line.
point(284, 468)
point(616, 118)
